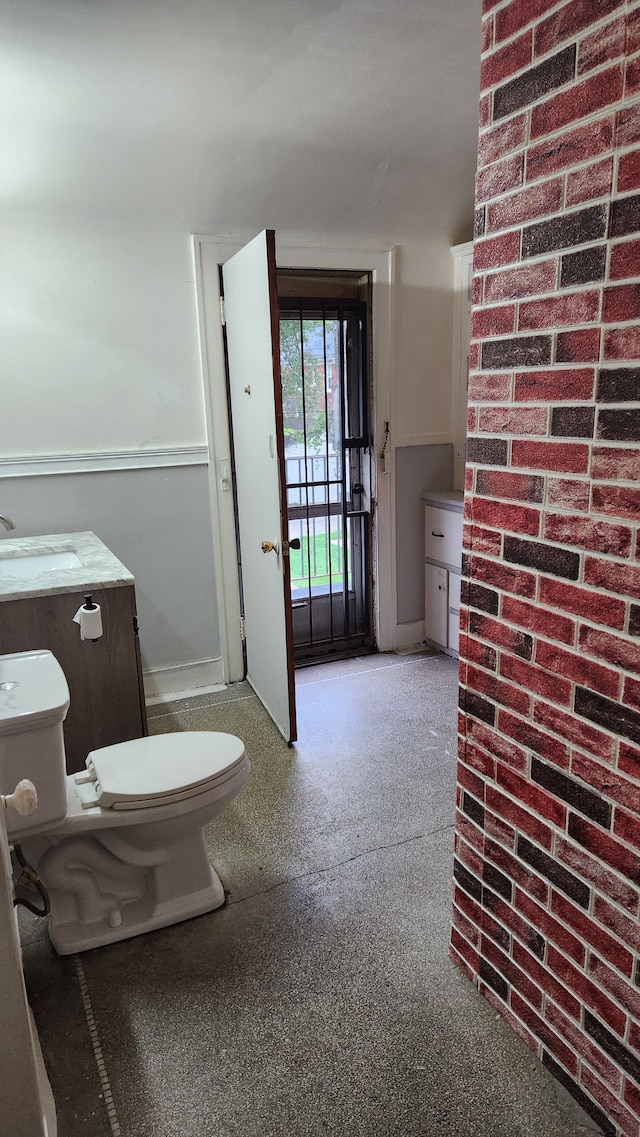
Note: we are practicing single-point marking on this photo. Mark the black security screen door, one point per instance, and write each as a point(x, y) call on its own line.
point(324, 387)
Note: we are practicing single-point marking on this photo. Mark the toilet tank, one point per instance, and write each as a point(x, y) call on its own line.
point(34, 700)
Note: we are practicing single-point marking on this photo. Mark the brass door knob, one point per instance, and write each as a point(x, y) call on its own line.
point(270, 547)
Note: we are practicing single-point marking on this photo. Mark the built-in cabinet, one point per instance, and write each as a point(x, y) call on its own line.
point(442, 567)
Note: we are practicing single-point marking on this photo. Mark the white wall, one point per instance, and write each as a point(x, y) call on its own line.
point(423, 330)
point(99, 349)
point(98, 338)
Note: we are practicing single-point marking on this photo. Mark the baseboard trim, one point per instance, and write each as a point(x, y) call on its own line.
point(412, 633)
point(182, 680)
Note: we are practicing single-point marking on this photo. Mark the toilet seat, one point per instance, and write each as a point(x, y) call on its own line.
point(155, 771)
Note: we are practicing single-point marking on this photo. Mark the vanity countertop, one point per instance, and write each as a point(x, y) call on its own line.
point(445, 499)
point(99, 567)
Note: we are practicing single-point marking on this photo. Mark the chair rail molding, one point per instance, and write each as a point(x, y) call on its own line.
point(34, 465)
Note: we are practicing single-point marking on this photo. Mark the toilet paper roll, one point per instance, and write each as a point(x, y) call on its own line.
point(90, 621)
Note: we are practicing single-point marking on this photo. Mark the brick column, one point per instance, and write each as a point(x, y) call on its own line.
point(547, 870)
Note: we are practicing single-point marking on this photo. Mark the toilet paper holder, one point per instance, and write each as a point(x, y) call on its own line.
point(89, 618)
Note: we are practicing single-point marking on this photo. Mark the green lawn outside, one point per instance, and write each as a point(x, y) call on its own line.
point(299, 562)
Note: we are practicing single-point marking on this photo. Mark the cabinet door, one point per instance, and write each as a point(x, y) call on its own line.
point(436, 604)
point(454, 630)
point(107, 702)
point(455, 581)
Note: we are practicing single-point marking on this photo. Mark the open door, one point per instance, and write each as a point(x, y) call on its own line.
point(253, 349)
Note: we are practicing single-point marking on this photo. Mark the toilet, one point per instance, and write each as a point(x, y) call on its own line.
point(118, 847)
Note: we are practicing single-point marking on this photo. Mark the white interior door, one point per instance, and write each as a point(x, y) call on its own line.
point(253, 347)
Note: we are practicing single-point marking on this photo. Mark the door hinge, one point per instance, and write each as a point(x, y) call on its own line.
point(294, 543)
point(242, 630)
point(136, 630)
point(222, 316)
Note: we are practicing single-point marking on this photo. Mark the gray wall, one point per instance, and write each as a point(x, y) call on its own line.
point(418, 468)
point(157, 522)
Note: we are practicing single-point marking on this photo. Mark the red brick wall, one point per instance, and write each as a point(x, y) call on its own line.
point(546, 912)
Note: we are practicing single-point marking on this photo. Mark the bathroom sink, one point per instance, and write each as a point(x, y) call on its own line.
point(55, 564)
point(33, 564)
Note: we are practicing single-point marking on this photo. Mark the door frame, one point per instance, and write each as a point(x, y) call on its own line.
point(208, 253)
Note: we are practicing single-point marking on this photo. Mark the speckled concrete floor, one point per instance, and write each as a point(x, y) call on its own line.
point(320, 1000)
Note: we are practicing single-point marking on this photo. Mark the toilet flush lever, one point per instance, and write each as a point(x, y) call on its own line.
point(24, 798)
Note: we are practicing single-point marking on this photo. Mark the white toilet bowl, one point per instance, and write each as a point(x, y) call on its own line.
point(120, 848)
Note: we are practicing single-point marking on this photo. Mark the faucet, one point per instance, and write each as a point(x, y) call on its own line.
point(7, 522)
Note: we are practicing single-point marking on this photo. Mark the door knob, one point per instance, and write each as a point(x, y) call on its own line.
point(270, 547)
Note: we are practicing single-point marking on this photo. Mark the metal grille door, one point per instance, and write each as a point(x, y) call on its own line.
point(322, 358)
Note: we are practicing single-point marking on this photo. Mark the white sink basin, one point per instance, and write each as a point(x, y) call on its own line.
point(33, 564)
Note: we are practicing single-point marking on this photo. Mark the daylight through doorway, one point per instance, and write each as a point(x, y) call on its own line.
point(323, 362)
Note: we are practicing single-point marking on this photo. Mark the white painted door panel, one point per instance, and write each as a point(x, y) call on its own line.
point(252, 334)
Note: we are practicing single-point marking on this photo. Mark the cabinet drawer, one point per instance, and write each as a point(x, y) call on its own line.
point(455, 580)
point(443, 535)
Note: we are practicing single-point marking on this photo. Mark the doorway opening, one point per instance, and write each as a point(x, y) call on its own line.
point(324, 321)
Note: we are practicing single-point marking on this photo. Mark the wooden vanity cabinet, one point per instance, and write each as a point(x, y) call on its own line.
point(104, 677)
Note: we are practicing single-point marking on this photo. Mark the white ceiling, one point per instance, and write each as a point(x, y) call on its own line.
point(351, 117)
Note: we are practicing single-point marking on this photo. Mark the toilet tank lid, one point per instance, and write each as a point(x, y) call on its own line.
point(33, 691)
point(163, 764)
